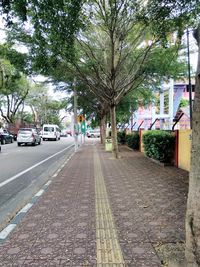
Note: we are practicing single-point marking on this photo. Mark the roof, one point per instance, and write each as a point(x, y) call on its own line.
point(186, 111)
point(182, 110)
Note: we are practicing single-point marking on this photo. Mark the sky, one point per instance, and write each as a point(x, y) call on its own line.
point(193, 47)
point(2, 32)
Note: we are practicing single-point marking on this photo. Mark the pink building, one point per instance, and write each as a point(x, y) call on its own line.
point(157, 117)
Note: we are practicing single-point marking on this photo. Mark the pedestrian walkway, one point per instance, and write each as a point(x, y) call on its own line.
point(99, 211)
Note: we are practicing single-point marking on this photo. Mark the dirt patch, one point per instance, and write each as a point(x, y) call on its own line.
point(171, 252)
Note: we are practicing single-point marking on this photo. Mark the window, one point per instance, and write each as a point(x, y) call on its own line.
point(49, 129)
point(193, 87)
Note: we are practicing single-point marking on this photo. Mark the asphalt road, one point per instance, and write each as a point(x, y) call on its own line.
point(23, 171)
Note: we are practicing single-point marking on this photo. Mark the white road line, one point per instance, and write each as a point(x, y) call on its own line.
point(48, 183)
point(6, 231)
point(39, 193)
point(32, 167)
point(25, 208)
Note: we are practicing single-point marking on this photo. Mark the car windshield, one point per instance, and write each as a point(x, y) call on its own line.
point(94, 131)
point(49, 129)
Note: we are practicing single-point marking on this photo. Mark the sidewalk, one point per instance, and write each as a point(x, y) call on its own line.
point(100, 211)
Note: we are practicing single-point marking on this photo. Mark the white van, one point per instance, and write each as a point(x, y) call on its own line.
point(50, 132)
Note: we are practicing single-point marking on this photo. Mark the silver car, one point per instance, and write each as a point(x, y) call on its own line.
point(93, 133)
point(28, 136)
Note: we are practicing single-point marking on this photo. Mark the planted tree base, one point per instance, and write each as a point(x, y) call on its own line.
point(171, 255)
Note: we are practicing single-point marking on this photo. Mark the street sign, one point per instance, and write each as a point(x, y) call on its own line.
point(83, 127)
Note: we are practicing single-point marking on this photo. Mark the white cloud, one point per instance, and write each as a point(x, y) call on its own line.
point(2, 31)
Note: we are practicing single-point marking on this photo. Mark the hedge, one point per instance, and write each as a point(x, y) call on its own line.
point(159, 145)
point(133, 140)
point(121, 138)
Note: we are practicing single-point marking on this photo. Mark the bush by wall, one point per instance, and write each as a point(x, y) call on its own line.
point(121, 138)
point(159, 145)
point(133, 140)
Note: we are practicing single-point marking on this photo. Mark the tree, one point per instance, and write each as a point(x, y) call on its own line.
point(17, 59)
point(37, 101)
point(13, 91)
point(44, 108)
point(110, 61)
point(14, 85)
point(183, 103)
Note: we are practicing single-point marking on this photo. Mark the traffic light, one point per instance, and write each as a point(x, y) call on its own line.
point(81, 118)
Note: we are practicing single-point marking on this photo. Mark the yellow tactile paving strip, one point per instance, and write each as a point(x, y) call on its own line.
point(108, 248)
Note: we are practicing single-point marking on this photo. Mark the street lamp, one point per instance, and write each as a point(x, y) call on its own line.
point(189, 78)
point(75, 117)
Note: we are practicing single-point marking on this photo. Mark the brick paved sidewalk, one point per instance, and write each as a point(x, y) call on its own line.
point(101, 212)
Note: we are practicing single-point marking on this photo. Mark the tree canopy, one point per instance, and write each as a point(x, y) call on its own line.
point(48, 28)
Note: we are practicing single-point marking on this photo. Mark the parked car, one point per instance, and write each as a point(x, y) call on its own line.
point(69, 132)
point(63, 133)
point(28, 136)
point(6, 137)
point(93, 133)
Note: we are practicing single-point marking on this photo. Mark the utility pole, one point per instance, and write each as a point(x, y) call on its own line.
point(189, 78)
point(75, 117)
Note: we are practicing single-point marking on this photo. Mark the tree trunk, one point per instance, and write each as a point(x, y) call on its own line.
point(192, 251)
point(114, 131)
point(35, 116)
point(103, 129)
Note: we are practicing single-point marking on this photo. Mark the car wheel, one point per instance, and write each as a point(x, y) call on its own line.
point(11, 140)
point(3, 142)
point(19, 144)
point(34, 143)
point(39, 143)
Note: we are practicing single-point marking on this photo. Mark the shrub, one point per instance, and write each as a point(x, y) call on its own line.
point(133, 140)
point(159, 145)
point(121, 138)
